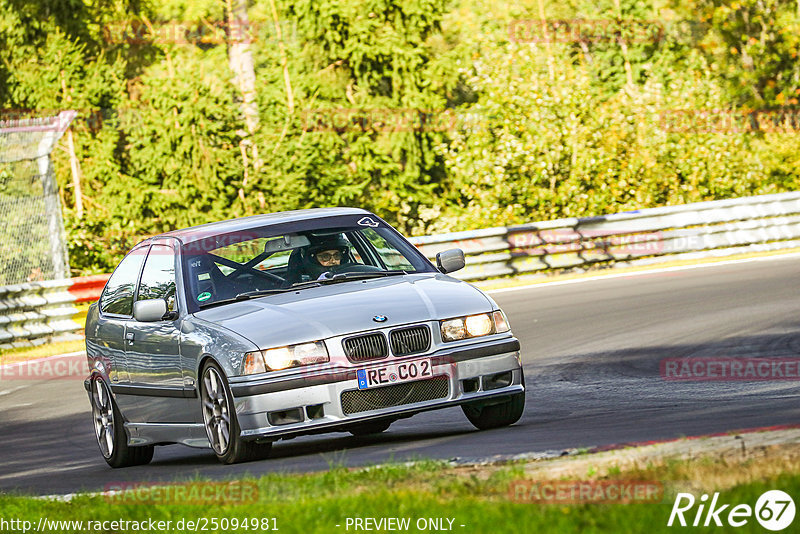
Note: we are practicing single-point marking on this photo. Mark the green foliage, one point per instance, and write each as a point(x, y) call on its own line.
point(557, 132)
point(429, 113)
point(560, 148)
point(755, 45)
point(349, 61)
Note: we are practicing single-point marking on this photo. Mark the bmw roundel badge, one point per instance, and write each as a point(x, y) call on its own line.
point(379, 318)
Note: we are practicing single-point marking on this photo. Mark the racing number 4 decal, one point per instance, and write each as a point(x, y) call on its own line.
point(368, 221)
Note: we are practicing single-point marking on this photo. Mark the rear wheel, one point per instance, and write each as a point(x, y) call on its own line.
point(219, 417)
point(365, 429)
point(110, 432)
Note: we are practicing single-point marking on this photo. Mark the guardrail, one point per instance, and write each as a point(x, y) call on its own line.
point(36, 311)
point(689, 231)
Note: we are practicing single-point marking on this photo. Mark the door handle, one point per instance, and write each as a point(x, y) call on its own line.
point(129, 337)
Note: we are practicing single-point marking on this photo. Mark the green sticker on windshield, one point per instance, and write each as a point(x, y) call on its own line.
point(202, 297)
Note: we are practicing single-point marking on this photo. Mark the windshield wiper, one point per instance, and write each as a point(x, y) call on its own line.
point(356, 276)
point(216, 303)
point(345, 277)
point(341, 277)
point(247, 295)
point(260, 293)
point(348, 277)
point(304, 285)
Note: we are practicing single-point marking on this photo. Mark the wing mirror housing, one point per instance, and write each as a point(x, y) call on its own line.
point(451, 260)
point(151, 310)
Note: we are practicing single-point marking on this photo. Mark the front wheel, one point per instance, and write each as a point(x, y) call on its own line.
point(219, 417)
point(497, 415)
point(110, 432)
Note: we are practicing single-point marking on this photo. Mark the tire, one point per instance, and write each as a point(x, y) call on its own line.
point(506, 413)
point(110, 430)
point(219, 419)
point(366, 429)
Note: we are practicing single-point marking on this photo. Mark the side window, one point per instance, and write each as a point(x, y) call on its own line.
point(393, 258)
point(158, 276)
point(117, 297)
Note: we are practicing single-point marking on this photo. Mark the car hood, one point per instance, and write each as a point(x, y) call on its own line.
point(339, 309)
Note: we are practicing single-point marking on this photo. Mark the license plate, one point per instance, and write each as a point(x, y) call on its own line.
point(394, 374)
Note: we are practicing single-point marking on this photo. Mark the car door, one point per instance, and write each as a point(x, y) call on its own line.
point(116, 309)
point(156, 391)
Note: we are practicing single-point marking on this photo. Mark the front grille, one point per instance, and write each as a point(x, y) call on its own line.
point(356, 400)
point(410, 340)
point(366, 347)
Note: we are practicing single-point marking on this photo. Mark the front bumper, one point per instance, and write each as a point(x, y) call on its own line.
point(312, 403)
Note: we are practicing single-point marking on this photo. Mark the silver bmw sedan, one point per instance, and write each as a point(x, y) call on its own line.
point(235, 334)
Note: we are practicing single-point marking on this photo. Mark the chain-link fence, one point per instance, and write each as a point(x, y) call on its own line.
point(32, 243)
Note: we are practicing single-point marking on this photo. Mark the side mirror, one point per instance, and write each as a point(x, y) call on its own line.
point(450, 260)
point(149, 311)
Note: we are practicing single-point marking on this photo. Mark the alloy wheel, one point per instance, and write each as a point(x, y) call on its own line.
point(216, 411)
point(103, 411)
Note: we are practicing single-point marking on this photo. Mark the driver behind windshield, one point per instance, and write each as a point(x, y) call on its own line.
point(326, 255)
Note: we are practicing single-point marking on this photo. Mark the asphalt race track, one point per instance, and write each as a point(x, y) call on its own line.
point(591, 351)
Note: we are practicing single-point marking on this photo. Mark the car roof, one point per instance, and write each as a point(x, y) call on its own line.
point(194, 233)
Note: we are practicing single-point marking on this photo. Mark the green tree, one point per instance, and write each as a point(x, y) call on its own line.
point(753, 45)
point(380, 68)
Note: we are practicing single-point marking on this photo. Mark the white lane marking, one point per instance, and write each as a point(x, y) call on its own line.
point(66, 498)
point(639, 273)
point(37, 360)
point(21, 405)
point(9, 391)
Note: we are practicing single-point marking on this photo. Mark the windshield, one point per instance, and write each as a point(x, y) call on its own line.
point(288, 257)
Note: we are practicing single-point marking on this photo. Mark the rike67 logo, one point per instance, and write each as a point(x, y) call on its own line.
point(774, 510)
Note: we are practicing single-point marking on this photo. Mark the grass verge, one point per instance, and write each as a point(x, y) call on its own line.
point(41, 351)
point(478, 497)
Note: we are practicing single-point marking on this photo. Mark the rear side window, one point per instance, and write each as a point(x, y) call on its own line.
point(117, 297)
point(158, 276)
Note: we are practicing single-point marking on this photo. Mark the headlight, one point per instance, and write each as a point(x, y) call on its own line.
point(453, 329)
point(284, 357)
point(481, 324)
